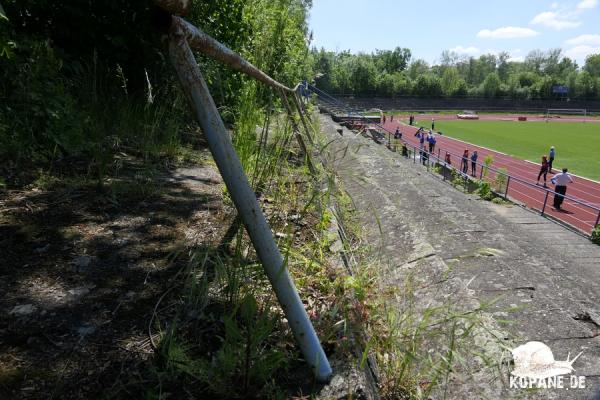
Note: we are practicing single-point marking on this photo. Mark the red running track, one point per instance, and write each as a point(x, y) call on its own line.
point(577, 215)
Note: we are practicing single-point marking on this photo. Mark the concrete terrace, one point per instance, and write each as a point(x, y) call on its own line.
point(546, 278)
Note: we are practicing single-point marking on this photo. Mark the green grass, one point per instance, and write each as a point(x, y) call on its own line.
point(577, 143)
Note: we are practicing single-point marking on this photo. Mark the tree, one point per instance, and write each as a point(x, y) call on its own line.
point(392, 61)
point(491, 85)
point(592, 65)
point(503, 66)
point(428, 85)
point(363, 74)
point(450, 81)
point(417, 68)
point(586, 85)
point(322, 69)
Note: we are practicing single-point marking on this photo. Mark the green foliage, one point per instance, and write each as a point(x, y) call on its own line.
point(390, 73)
point(501, 180)
point(592, 65)
point(491, 85)
point(484, 190)
point(42, 115)
point(596, 235)
point(487, 163)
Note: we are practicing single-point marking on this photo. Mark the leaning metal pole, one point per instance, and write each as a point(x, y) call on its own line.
point(246, 203)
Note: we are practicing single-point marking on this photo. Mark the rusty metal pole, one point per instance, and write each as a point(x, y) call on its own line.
point(246, 203)
point(545, 202)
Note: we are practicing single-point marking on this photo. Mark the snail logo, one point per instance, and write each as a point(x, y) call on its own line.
point(535, 367)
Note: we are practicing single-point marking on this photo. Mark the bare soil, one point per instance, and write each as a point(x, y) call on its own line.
point(81, 270)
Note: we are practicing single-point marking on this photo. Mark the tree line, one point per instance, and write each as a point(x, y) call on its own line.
point(393, 73)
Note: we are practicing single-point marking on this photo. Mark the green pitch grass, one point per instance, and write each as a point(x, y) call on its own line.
point(577, 143)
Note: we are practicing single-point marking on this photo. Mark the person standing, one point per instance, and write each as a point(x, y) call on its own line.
point(543, 170)
point(384, 119)
point(432, 124)
point(474, 163)
point(465, 162)
point(561, 181)
point(421, 136)
point(551, 158)
point(397, 138)
point(397, 134)
point(432, 141)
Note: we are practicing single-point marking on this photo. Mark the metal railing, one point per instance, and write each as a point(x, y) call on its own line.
point(586, 220)
point(508, 191)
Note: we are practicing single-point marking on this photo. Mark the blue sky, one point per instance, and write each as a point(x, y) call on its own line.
point(467, 27)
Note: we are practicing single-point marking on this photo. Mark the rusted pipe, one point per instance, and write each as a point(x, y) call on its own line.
point(204, 43)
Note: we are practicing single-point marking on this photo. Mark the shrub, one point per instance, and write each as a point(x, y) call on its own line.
point(596, 235)
point(501, 180)
point(485, 191)
point(487, 163)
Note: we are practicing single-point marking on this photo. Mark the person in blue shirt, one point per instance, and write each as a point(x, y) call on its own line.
point(474, 163)
point(551, 156)
point(398, 134)
point(421, 135)
point(432, 141)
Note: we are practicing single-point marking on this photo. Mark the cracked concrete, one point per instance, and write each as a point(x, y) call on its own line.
point(544, 278)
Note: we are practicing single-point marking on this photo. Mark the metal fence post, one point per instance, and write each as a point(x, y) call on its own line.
point(414, 155)
point(597, 220)
point(506, 190)
point(246, 203)
point(545, 202)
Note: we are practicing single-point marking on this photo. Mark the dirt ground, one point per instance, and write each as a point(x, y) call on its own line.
point(81, 271)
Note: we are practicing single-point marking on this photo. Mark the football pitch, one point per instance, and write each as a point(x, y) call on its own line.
point(577, 143)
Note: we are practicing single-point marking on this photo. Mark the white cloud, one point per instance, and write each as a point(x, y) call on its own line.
point(564, 17)
point(556, 20)
point(580, 52)
point(507, 32)
point(516, 59)
point(587, 39)
point(587, 4)
point(471, 50)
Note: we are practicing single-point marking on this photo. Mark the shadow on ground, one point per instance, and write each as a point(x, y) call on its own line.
point(81, 271)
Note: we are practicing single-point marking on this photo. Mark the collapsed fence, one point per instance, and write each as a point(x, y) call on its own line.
point(585, 217)
point(182, 37)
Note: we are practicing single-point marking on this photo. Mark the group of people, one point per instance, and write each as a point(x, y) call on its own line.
point(428, 137)
point(560, 180)
point(465, 162)
point(384, 118)
point(546, 165)
point(464, 165)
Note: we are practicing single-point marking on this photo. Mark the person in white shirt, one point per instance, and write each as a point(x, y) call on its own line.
point(561, 181)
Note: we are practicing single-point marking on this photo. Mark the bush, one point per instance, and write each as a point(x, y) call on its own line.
point(485, 191)
point(487, 163)
point(501, 180)
point(596, 235)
